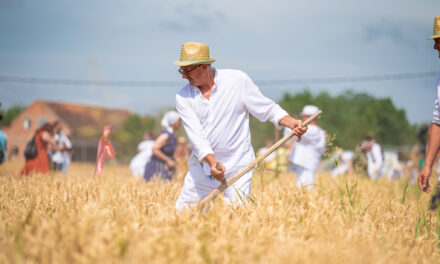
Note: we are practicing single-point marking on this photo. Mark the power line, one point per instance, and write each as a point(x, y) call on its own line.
point(352, 79)
point(53, 81)
point(282, 82)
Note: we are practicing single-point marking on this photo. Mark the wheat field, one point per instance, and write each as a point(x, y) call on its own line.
point(118, 219)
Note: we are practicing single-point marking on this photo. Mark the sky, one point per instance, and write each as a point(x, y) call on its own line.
point(137, 41)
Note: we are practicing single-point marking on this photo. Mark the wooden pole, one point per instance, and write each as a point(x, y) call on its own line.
point(277, 156)
point(226, 183)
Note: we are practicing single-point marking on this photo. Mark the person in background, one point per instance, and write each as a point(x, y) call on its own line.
point(374, 157)
point(280, 163)
point(3, 145)
point(60, 150)
point(144, 152)
point(268, 160)
point(162, 163)
point(181, 155)
point(343, 160)
point(434, 134)
point(360, 160)
point(105, 150)
point(392, 167)
point(306, 154)
point(40, 164)
point(13, 151)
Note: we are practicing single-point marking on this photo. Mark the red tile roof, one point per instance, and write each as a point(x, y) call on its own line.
point(88, 121)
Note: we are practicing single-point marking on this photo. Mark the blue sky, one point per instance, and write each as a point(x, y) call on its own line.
point(134, 40)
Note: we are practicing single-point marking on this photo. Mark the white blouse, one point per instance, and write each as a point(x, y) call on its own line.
point(220, 125)
point(307, 153)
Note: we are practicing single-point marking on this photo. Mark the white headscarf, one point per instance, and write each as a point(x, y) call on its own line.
point(170, 118)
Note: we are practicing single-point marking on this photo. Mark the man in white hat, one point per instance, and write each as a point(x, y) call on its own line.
point(306, 154)
point(215, 107)
point(434, 134)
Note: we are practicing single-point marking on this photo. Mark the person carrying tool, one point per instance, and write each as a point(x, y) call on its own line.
point(434, 134)
point(215, 107)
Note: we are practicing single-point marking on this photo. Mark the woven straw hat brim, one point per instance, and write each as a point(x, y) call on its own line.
point(192, 62)
point(434, 37)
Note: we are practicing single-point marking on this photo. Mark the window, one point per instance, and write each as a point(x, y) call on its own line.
point(27, 123)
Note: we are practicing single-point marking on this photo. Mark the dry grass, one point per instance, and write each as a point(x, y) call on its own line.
point(115, 218)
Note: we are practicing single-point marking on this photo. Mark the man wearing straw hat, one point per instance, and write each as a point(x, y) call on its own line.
point(215, 107)
point(434, 134)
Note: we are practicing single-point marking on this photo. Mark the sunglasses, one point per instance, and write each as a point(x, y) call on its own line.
point(186, 72)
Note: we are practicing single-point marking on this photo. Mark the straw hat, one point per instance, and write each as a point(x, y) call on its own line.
point(436, 31)
point(194, 53)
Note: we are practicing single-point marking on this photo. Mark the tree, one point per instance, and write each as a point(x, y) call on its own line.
point(128, 137)
point(9, 114)
point(349, 117)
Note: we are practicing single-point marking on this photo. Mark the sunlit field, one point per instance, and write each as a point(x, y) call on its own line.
point(118, 219)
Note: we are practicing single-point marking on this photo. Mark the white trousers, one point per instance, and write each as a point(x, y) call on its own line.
point(197, 185)
point(374, 172)
point(305, 177)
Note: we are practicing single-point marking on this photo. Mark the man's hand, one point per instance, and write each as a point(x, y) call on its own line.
point(423, 179)
point(298, 128)
point(218, 171)
point(294, 125)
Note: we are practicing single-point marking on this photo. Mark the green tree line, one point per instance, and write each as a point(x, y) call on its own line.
point(7, 115)
point(348, 118)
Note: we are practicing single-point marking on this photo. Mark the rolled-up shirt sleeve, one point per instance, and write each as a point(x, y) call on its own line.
point(193, 127)
point(260, 106)
point(436, 115)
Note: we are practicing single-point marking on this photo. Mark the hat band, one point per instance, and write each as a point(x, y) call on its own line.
point(436, 33)
point(193, 60)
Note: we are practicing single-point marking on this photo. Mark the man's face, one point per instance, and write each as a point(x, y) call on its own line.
point(437, 45)
point(192, 73)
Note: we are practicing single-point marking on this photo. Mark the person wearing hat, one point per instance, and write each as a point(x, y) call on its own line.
point(434, 134)
point(305, 156)
point(215, 107)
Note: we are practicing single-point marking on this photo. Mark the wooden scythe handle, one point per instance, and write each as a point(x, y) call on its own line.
point(226, 183)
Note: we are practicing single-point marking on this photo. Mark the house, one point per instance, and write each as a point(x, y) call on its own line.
point(83, 123)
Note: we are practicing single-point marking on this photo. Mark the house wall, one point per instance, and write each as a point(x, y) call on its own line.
point(84, 149)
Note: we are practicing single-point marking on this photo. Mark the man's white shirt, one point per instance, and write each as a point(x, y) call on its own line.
point(220, 125)
point(436, 114)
